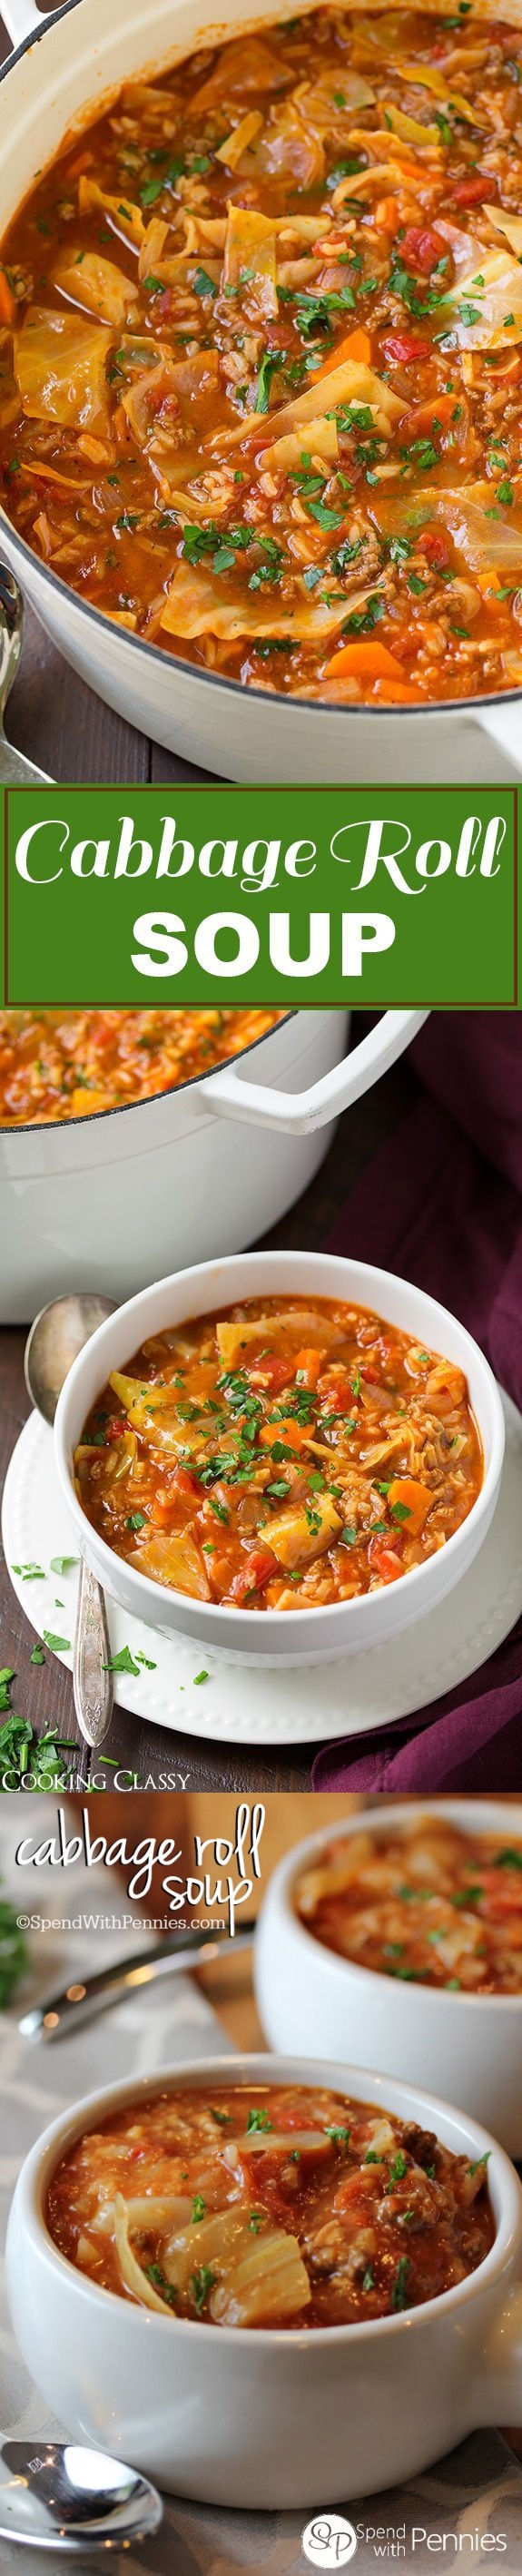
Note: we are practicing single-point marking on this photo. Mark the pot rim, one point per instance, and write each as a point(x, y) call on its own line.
point(154, 653)
point(120, 1108)
point(275, 2066)
point(240, 1620)
point(398, 1810)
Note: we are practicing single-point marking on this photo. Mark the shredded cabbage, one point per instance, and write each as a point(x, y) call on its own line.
point(250, 260)
point(485, 306)
point(97, 285)
point(60, 363)
point(197, 604)
point(319, 437)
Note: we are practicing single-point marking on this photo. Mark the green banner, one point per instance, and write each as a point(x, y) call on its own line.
point(266, 894)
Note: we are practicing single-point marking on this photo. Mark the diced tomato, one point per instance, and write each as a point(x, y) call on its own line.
point(115, 1430)
point(403, 347)
point(471, 192)
point(423, 249)
point(259, 1567)
point(269, 1372)
point(358, 2189)
point(435, 547)
point(502, 1892)
point(385, 1557)
point(185, 1483)
point(429, 416)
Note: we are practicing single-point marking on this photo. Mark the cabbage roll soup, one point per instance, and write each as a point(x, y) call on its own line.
point(260, 394)
point(284, 1453)
point(69, 1064)
point(269, 2206)
point(430, 1904)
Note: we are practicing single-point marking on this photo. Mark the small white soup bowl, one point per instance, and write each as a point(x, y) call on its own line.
point(270, 2419)
point(467, 2046)
point(289, 1636)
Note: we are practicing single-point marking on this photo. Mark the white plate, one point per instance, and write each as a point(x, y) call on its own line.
point(238, 1705)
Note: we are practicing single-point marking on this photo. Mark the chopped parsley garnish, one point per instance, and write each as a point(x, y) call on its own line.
point(271, 360)
point(361, 622)
point(200, 2283)
point(398, 2168)
point(203, 284)
point(400, 2286)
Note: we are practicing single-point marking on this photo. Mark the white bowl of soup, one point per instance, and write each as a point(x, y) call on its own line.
point(397, 1936)
point(287, 1456)
point(324, 644)
point(267, 2280)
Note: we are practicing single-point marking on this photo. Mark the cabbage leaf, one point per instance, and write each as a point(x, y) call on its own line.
point(60, 363)
point(197, 604)
point(97, 285)
point(250, 261)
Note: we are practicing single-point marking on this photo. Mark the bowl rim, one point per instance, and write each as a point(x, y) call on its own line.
point(272, 2066)
point(211, 679)
point(246, 1621)
point(393, 1814)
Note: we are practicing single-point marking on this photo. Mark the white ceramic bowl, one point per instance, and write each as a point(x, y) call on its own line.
point(290, 1636)
point(270, 2419)
point(468, 2047)
point(65, 73)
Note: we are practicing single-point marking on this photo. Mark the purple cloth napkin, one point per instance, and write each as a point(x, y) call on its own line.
point(442, 1204)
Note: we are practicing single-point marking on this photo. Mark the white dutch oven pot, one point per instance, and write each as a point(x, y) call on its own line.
point(264, 2419)
point(66, 68)
point(469, 2046)
point(115, 1200)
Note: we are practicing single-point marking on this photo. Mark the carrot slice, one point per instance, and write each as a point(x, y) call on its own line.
point(7, 299)
point(367, 661)
point(489, 580)
point(289, 1431)
point(398, 693)
point(308, 1365)
point(413, 1500)
point(386, 215)
point(356, 345)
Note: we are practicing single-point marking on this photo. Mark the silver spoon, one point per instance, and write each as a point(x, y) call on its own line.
point(55, 1338)
point(15, 770)
point(61, 2496)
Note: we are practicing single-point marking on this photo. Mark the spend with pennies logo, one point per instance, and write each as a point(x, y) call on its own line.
point(329, 2541)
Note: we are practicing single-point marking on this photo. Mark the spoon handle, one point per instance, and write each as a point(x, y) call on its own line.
point(92, 1684)
point(15, 770)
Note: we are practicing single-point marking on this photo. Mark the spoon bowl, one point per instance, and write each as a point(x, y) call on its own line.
point(60, 2496)
point(15, 770)
point(57, 1335)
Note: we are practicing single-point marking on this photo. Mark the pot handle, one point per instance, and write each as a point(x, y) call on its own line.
point(21, 19)
point(498, 2392)
point(504, 724)
point(229, 1096)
